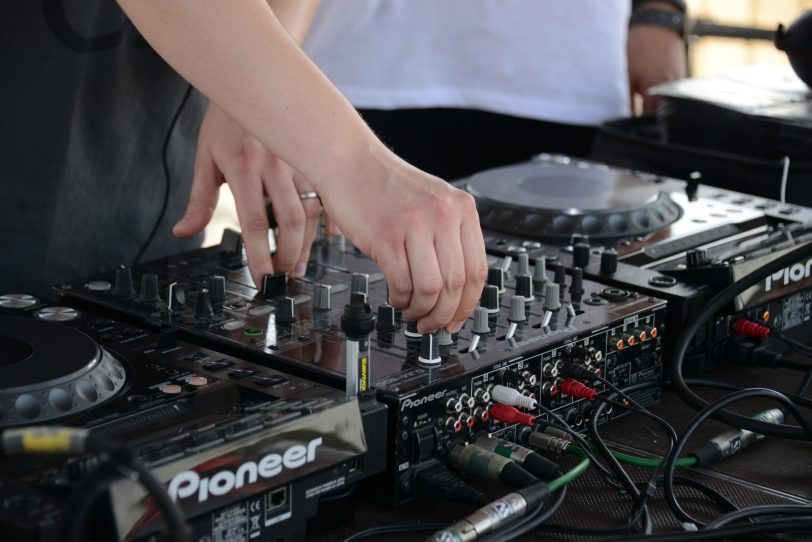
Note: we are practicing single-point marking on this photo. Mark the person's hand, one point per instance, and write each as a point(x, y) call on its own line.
point(656, 55)
point(422, 232)
point(227, 153)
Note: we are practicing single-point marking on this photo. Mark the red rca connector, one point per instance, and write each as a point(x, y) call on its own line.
point(576, 389)
point(510, 415)
point(750, 329)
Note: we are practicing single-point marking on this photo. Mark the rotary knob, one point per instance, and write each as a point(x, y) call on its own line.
point(539, 274)
point(524, 288)
point(517, 312)
point(217, 288)
point(551, 297)
point(560, 275)
point(490, 298)
point(203, 308)
point(359, 284)
point(697, 258)
point(386, 318)
point(609, 262)
point(429, 350)
point(523, 266)
point(176, 297)
point(577, 283)
point(124, 282)
point(322, 298)
point(149, 288)
point(274, 285)
point(284, 313)
point(580, 254)
point(496, 277)
point(481, 326)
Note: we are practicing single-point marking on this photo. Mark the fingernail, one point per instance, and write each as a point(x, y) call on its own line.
point(455, 327)
point(300, 269)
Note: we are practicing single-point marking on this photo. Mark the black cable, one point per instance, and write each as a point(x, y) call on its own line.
point(529, 522)
point(82, 498)
point(724, 532)
point(706, 382)
point(717, 303)
point(395, 529)
point(804, 385)
point(768, 510)
point(671, 461)
point(167, 176)
point(781, 336)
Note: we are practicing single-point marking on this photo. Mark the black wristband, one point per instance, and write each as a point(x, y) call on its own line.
point(680, 5)
point(659, 17)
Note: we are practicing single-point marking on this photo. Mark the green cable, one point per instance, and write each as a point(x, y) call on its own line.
point(574, 473)
point(648, 463)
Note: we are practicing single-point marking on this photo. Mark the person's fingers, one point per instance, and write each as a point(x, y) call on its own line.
point(246, 185)
point(312, 210)
point(427, 281)
point(288, 211)
point(395, 266)
point(330, 224)
point(202, 199)
point(451, 260)
point(476, 272)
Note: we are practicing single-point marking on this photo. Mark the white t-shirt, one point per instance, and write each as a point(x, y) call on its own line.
point(556, 60)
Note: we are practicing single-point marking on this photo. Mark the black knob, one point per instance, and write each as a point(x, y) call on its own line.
point(609, 262)
point(124, 282)
point(560, 275)
point(386, 318)
point(490, 298)
point(697, 258)
point(577, 283)
point(357, 322)
point(275, 285)
point(149, 288)
point(524, 287)
point(217, 288)
point(203, 308)
point(580, 254)
point(176, 297)
point(411, 329)
point(496, 277)
point(430, 349)
point(284, 312)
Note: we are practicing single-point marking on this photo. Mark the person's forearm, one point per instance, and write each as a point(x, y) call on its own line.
point(239, 55)
point(295, 15)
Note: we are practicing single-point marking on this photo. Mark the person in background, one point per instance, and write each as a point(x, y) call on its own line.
point(459, 86)
point(99, 136)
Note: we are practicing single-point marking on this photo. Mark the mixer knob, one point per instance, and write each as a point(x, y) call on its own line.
point(284, 313)
point(609, 262)
point(490, 298)
point(386, 318)
point(697, 258)
point(577, 284)
point(217, 288)
point(481, 326)
point(560, 276)
point(124, 282)
point(444, 338)
point(149, 288)
point(496, 277)
point(411, 330)
point(274, 285)
point(176, 297)
point(203, 308)
point(580, 254)
point(539, 274)
point(359, 284)
point(523, 264)
point(517, 309)
point(551, 297)
point(524, 288)
point(322, 299)
point(429, 350)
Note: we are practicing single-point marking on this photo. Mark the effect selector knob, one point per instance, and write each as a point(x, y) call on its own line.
point(609, 262)
point(490, 298)
point(386, 318)
point(322, 297)
point(217, 288)
point(149, 288)
point(124, 282)
point(580, 254)
point(203, 308)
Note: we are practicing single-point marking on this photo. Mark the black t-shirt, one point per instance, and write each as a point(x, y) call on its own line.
point(85, 106)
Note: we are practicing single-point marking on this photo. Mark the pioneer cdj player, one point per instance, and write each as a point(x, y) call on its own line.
point(243, 458)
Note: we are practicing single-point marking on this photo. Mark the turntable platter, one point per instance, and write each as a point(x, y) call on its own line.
point(50, 371)
point(553, 200)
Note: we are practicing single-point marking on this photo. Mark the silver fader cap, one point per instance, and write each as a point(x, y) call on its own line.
point(517, 313)
point(551, 297)
point(481, 326)
point(322, 300)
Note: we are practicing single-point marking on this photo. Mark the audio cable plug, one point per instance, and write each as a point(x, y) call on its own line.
point(749, 328)
point(548, 443)
point(440, 483)
point(577, 371)
point(747, 352)
point(535, 463)
point(509, 415)
point(733, 441)
point(495, 515)
point(477, 461)
point(576, 389)
point(512, 397)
